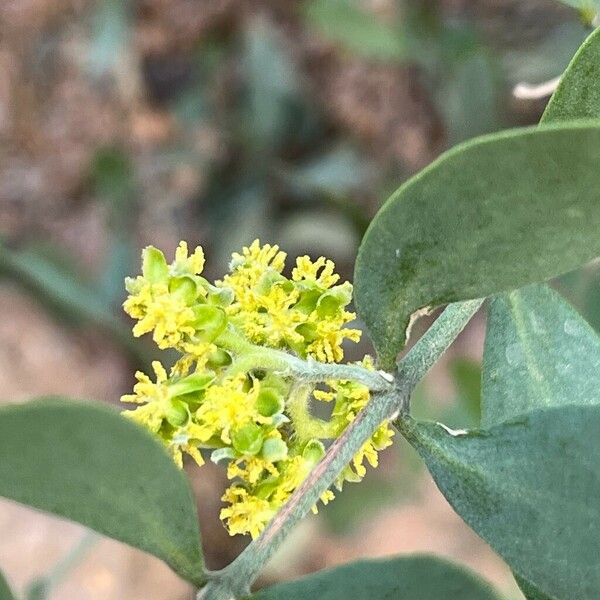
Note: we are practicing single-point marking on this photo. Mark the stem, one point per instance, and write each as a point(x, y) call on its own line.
point(42, 587)
point(235, 580)
point(436, 340)
point(252, 356)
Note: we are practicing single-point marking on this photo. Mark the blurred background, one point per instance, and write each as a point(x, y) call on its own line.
point(129, 122)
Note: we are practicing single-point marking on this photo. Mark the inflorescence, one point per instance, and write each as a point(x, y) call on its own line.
point(231, 393)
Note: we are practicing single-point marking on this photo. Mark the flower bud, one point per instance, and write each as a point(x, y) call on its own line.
point(154, 265)
point(248, 439)
point(210, 321)
point(269, 402)
point(176, 413)
point(184, 287)
point(274, 449)
point(191, 383)
point(314, 451)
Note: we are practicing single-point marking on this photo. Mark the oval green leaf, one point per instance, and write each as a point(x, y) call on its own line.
point(403, 578)
point(528, 488)
point(87, 463)
point(493, 214)
point(556, 352)
point(578, 93)
point(539, 351)
point(530, 592)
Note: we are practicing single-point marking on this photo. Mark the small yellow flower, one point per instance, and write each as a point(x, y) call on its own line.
point(307, 270)
point(246, 513)
point(157, 310)
point(154, 396)
point(251, 469)
point(184, 264)
point(227, 406)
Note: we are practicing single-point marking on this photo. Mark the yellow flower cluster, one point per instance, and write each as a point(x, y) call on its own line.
point(216, 400)
point(304, 314)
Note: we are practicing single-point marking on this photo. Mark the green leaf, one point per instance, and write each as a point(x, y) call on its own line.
point(530, 592)
point(538, 352)
point(493, 214)
point(109, 36)
point(578, 93)
point(5, 591)
point(271, 85)
point(528, 488)
point(344, 22)
point(403, 578)
point(87, 463)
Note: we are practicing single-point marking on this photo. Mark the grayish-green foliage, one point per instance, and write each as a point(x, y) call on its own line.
point(538, 352)
point(532, 593)
point(578, 93)
point(529, 196)
point(407, 578)
point(527, 487)
point(87, 463)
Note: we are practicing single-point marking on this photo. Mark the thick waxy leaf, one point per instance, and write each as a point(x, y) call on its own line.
point(89, 464)
point(530, 592)
point(578, 93)
point(538, 352)
point(493, 214)
point(406, 578)
point(5, 592)
point(529, 488)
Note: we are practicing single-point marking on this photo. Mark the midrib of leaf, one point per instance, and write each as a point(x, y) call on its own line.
point(532, 365)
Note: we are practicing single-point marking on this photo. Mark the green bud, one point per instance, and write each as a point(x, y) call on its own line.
point(266, 488)
point(274, 450)
point(184, 287)
point(176, 413)
point(308, 331)
point(219, 358)
point(314, 451)
point(334, 299)
point(308, 300)
point(248, 439)
point(222, 297)
point(210, 320)
point(271, 278)
point(269, 402)
point(191, 383)
point(154, 265)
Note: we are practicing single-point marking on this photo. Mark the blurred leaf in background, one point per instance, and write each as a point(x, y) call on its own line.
point(111, 26)
point(346, 23)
